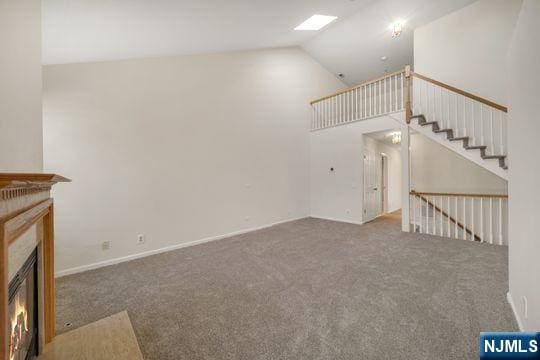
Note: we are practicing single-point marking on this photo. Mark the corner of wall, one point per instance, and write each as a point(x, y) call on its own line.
point(514, 310)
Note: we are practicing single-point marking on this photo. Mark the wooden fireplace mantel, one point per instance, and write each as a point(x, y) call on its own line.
point(12, 226)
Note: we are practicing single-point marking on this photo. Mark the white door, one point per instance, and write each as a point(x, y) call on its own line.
point(372, 183)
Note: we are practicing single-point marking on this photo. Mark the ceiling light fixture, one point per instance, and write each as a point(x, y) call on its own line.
point(397, 28)
point(396, 138)
point(316, 22)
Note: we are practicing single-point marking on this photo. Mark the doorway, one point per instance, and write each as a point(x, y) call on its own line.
point(372, 185)
point(384, 183)
point(382, 174)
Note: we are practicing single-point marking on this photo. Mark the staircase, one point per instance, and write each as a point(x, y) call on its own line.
point(464, 139)
point(467, 124)
point(463, 122)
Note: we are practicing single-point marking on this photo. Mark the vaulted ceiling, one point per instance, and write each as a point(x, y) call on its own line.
point(98, 30)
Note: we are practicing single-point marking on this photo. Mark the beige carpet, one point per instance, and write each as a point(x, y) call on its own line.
point(308, 289)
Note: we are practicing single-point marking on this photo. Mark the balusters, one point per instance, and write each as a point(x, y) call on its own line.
point(395, 92)
point(492, 148)
point(365, 101)
point(464, 220)
point(379, 86)
point(441, 120)
point(472, 219)
point(501, 133)
point(473, 138)
point(433, 217)
point(456, 230)
point(482, 219)
point(402, 91)
point(491, 221)
point(482, 142)
point(441, 216)
point(384, 91)
point(456, 115)
point(448, 217)
point(500, 222)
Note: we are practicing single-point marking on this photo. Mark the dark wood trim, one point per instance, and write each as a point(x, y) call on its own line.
point(502, 196)
point(461, 92)
point(48, 275)
point(4, 336)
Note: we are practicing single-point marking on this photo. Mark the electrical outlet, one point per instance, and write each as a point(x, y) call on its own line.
point(525, 308)
point(106, 245)
point(140, 239)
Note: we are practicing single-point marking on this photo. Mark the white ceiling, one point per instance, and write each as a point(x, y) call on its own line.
point(354, 46)
point(94, 30)
point(97, 30)
point(385, 137)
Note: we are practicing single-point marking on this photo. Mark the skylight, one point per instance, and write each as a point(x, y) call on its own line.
point(316, 22)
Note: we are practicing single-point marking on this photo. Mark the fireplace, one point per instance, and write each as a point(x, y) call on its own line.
point(23, 312)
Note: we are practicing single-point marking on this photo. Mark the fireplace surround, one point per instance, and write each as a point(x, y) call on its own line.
point(27, 309)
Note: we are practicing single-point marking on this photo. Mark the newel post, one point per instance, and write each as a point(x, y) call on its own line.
point(408, 94)
point(406, 155)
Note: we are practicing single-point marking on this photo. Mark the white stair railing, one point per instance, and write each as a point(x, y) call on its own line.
point(381, 96)
point(468, 115)
point(476, 217)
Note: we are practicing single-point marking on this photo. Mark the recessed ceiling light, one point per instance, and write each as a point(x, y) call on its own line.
point(316, 22)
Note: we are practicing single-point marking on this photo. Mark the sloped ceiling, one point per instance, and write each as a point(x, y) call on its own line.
point(99, 30)
point(355, 45)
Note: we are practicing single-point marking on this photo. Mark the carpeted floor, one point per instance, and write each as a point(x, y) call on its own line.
point(308, 289)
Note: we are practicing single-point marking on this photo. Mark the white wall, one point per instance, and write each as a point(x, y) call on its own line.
point(393, 177)
point(435, 168)
point(338, 195)
point(177, 148)
point(20, 86)
point(467, 49)
point(523, 130)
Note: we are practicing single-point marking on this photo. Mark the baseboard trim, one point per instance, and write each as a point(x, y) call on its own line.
point(338, 220)
point(122, 259)
point(514, 310)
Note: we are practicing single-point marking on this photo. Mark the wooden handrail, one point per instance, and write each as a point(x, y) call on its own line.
point(501, 196)
point(461, 92)
point(357, 86)
point(451, 218)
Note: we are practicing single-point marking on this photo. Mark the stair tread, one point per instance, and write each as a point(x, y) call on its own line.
point(493, 157)
point(443, 130)
point(476, 147)
point(429, 123)
point(459, 138)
